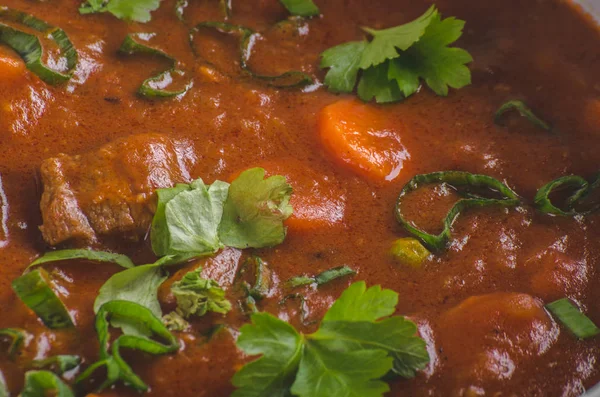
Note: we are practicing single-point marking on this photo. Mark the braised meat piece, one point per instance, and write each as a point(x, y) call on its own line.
point(110, 190)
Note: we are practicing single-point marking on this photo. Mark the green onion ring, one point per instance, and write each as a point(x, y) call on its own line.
point(30, 48)
point(17, 337)
point(43, 383)
point(582, 189)
point(116, 367)
point(322, 278)
point(456, 179)
point(524, 111)
point(34, 290)
point(131, 46)
point(289, 79)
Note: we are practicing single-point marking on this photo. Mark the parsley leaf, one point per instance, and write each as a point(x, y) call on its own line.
point(392, 64)
point(197, 296)
point(139, 285)
point(349, 353)
point(430, 58)
point(129, 10)
point(374, 83)
point(187, 219)
point(301, 8)
point(281, 348)
point(387, 42)
point(343, 61)
point(255, 210)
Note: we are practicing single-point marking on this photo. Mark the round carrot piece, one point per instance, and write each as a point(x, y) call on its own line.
point(358, 136)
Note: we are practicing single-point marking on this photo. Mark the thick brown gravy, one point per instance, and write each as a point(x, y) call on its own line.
point(478, 304)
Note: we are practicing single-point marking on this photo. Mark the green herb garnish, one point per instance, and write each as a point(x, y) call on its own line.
point(524, 111)
point(153, 87)
point(147, 325)
point(572, 318)
point(457, 180)
point(256, 276)
point(29, 47)
point(197, 296)
point(44, 383)
point(396, 59)
point(301, 8)
point(197, 220)
point(17, 337)
point(94, 256)
point(292, 78)
point(58, 364)
point(34, 290)
point(138, 285)
point(129, 10)
point(255, 210)
point(356, 344)
point(187, 219)
point(580, 188)
point(321, 278)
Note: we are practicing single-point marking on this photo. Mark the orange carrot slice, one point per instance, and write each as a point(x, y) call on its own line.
point(359, 137)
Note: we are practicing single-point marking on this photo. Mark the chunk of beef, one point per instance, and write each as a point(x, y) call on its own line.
point(110, 190)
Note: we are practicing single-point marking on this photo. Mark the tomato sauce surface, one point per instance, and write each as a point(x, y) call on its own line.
point(479, 304)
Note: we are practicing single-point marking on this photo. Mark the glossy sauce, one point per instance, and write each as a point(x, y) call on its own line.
point(479, 304)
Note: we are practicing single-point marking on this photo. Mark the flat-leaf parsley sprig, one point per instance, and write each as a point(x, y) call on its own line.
point(356, 344)
point(393, 63)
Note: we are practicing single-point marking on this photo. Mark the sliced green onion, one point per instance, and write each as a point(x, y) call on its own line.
point(542, 197)
point(226, 8)
point(29, 47)
point(4, 392)
point(17, 337)
point(44, 383)
point(303, 308)
point(95, 256)
point(458, 180)
point(149, 88)
point(524, 111)
point(292, 78)
point(301, 8)
point(58, 364)
point(321, 278)
point(34, 290)
point(261, 276)
point(581, 196)
point(224, 5)
point(572, 318)
point(110, 356)
point(409, 251)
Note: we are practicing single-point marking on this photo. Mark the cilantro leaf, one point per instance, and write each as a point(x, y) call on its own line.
point(393, 63)
point(357, 303)
point(301, 8)
point(349, 353)
point(272, 374)
point(139, 285)
point(395, 335)
point(129, 10)
point(374, 83)
point(430, 58)
point(255, 210)
point(343, 63)
point(387, 42)
point(187, 219)
point(343, 374)
point(175, 322)
point(197, 296)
